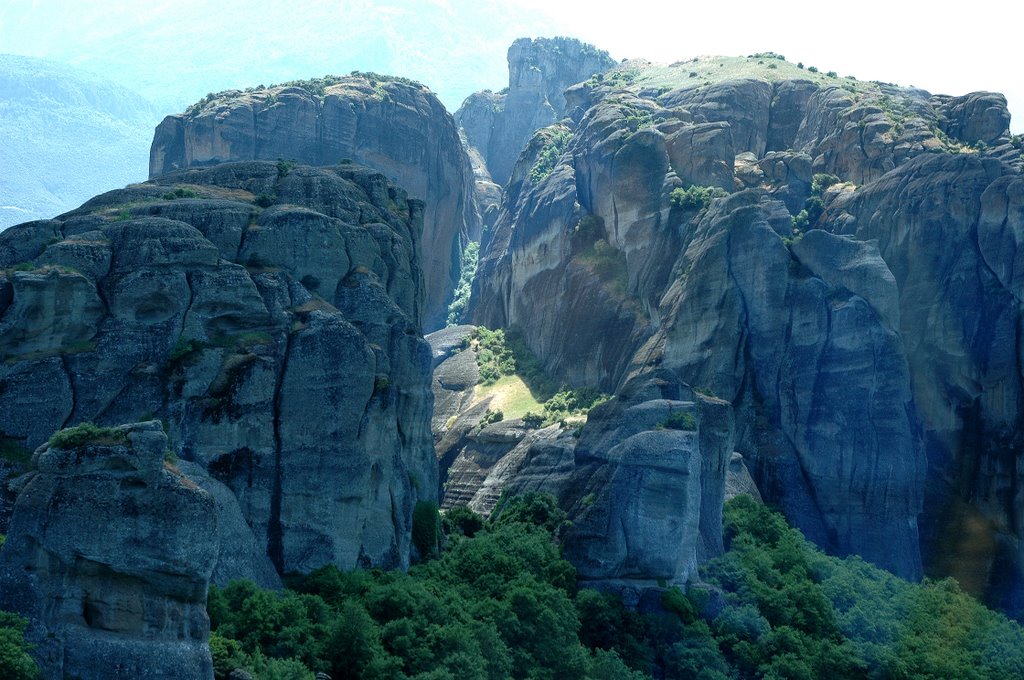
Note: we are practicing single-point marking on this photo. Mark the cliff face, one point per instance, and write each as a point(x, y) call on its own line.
point(872, 356)
point(395, 126)
point(539, 71)
point(109, 554)
point(643, 479)
point(279, 344)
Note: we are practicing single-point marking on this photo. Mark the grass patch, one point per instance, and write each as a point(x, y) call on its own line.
point(510, 395)
point(515, 380)
point(87, 433)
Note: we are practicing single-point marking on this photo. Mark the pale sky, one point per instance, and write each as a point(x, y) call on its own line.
point(174, 51)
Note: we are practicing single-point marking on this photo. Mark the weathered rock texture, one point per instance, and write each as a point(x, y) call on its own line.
point(873, 362)
point(109, 554)
point(280, 345)
point(644, 478)
point(395, 126)
point(498, 125)
point(644, 483)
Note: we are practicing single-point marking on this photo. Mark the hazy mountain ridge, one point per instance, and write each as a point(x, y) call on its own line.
point(68, 135)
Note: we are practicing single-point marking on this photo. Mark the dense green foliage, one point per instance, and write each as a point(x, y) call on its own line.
point(695, 197)
point(87, 433)
point(15, 663)
point(500, 602)
point(426, 528)
point(795, 612)
point(555, 144)
point(500, 353)
point(464, 289)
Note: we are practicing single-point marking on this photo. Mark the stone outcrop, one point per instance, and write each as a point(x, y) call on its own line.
point(498, 125)
point(644, 483)
point(949, 228)
point(109, 554)
point(269, 316)
point(395, 126)
point(866, 334)
point(644, 478)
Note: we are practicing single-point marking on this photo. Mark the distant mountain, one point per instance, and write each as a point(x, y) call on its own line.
point(453, 48)
point(67, 135)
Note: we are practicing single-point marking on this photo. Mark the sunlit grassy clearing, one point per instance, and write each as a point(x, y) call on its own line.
point(510, 395)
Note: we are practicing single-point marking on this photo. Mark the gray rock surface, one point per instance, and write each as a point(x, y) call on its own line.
point(279, 344)
point(392, 125)
point(109, 554)
point(644, 497)
point(834, 346)
point(738, 480)
point(539, 71)
point(948, 228)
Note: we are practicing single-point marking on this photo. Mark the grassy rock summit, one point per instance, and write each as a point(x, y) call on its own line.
point(393, 125)
point(831, 257)
point(732, 380)
point(117, 579)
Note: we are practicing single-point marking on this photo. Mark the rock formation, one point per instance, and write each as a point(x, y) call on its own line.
point(643, 478)
point(864, 327)
point(498, 125)
point(109, 554)
point(395, 126)
point(268, 315)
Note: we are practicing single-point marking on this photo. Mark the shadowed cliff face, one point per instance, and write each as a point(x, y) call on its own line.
point(872, 357)
point(109, 554)
point(395, 126)
point(279, 344)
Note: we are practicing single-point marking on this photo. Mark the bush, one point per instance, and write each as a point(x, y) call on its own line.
point(87, 433)
point(15, 662)
point(179, 193)
point(284, 167)
point(556, 142)
point(680, 420)
point(695, 197)
point(491, 417)
point(821, 181)
point(265, 200)
point(532, 420)
point(462, 521)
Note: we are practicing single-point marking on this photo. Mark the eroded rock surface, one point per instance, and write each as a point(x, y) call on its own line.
point(109, 554)
point(865, 330)
point(395, 126)
point(280, 345)
point(498, 125)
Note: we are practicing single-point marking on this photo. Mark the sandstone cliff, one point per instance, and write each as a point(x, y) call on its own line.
point(396, 126)
point(268, 315)
point(862, 326)
point(109, 554)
